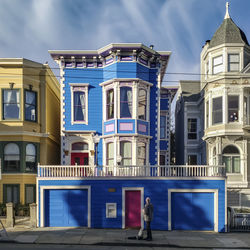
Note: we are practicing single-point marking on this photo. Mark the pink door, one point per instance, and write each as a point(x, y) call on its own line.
point(133, 209)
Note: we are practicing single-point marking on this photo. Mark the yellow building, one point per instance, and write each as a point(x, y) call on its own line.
point(29, 126)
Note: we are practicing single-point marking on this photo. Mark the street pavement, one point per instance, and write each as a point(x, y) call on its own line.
point(119, 237)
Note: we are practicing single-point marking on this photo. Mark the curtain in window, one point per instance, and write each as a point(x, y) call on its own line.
point(142, 107)
point(110, 154)
point(30, 106)
point(11, 104)
point(110, 104)
point(126, 153)
point(236, 164)
point(141, 153)
point(79, 106)
point(227, 162)
point(125, 102)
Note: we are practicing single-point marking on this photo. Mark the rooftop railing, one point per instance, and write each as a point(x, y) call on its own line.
point(131, 171)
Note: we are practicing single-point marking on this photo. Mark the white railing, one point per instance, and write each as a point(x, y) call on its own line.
point(130, 171)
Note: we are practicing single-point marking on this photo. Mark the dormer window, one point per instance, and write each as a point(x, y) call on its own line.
point(233, 62)
point(217, 64)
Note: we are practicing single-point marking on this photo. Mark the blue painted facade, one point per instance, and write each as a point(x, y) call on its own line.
point(192, 202)
point(94, 73)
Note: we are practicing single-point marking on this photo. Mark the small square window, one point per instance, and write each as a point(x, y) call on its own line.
point(111, 210)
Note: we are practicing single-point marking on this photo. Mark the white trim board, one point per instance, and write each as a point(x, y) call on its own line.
point(42, 201)
point(215, 191)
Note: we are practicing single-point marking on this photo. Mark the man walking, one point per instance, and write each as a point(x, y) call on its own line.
point(148, 216)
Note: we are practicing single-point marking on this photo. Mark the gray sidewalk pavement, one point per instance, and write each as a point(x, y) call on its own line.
point(119, 237)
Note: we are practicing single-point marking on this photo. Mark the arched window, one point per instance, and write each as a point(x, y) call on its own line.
point(30, 157)
point(79, 146)
point(125, 102)
point(11, 158)
point(126, 152)
point(142, 104)
point(231, 159)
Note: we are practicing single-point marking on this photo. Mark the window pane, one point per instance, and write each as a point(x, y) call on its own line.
point(79, 106)
point(227, 161)
point(29, 194)
point(233, 108)
point(110, 154)
point(162, 160)
point(125, 102)
point(142, 105)
point(9, 194)
point(217, 65)
point(30, 106)
point(11, 104)
point(236, 164)
point(230, 150)
point(217, 110)
point(192, 159)
point(192, 129)
point(126, 152)
point(141, 153)
point(30, 158)
point(80, 146)
point(162, 127)
point(11, 157)
point(110, 104)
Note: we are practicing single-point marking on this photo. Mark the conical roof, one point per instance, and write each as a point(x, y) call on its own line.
point(228, 32)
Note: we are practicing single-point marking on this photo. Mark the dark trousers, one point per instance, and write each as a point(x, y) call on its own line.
point(149, 233)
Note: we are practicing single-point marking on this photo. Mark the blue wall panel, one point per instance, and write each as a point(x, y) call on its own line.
point(164, 104)
point(157, 189)
point(192, 211)
point(163, 145)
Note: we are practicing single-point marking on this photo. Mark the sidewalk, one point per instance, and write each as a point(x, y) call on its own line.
point(119, 237)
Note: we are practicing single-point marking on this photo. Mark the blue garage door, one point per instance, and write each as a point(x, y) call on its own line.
point(192, 211)
point(66, 208)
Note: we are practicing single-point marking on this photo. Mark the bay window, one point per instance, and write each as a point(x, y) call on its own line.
point(125, 102)
point(11, 104)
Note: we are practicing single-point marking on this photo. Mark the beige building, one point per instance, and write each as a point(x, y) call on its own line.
point(225, 78)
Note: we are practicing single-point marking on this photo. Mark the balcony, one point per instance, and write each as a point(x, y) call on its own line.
point(76, 171)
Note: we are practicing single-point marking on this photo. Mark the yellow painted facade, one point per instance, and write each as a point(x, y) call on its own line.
point(23, 76)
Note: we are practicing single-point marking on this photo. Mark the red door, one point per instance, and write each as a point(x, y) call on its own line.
point(79, 158)
point(133, 209)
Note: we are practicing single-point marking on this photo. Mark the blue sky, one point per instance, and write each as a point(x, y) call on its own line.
point(29, 28)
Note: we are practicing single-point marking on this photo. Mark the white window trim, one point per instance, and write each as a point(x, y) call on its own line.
point(83, 88)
